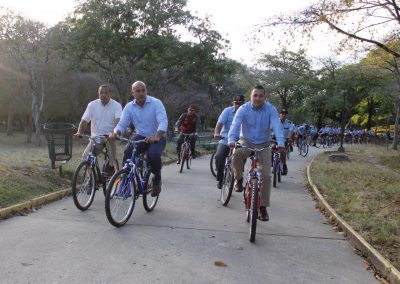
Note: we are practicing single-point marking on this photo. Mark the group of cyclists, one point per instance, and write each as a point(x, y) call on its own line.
point(254, 124)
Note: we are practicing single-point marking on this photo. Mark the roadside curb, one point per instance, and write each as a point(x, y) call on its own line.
point(35, 202)
point(42, 200)
point(377, 260)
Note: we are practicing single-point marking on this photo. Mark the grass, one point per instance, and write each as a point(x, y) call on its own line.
point(366, 193)
point(25, 170)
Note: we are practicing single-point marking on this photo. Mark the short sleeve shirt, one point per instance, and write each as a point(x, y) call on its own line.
point(102, 118)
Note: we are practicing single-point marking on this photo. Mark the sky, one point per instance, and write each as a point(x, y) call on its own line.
point(234, 20)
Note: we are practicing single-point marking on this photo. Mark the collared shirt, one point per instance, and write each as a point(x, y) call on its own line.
point(102, 117)
point(226, 118)
point(254, 124)
point(288, 127)
point(148, 120)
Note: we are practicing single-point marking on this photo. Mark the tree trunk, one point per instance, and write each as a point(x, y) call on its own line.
point(37, 108)
point(28, 129)
point(10, 123)
point(396, 125)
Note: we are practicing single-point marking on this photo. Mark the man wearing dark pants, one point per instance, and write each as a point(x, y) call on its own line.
point(221, 132)
point(149, 118)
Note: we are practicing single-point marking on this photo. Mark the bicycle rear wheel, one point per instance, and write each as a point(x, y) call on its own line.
point(274, 171)
point(213, 164)
point(227, 186)
point(83, 186)
point(120, 198)
point(304, 151)
point(253, 210)
point(149, 202)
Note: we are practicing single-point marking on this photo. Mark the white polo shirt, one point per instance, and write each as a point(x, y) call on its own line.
point(102, 118)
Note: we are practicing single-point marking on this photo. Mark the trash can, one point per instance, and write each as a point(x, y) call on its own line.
point(59, 141)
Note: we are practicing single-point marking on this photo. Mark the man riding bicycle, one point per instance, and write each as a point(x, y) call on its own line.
point(251, 127)
point(221, 132)
point(149, 117)
point(188, 123)
point(288, 128)
point(103, 115)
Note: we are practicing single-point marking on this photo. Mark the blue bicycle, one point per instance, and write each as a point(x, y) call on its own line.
point(127, 185)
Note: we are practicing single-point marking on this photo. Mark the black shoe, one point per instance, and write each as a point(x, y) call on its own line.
point(178, 162)
point(284, 171)
point(263, 214)
point(193, 156)
point(239, 185)
point(219, 184)
point(156, 189)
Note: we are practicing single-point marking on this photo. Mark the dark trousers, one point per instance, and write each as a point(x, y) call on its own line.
point(154, 152)
point(180, 140)
point(220, 156)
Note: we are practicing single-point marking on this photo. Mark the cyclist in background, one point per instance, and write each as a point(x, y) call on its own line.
point(221, 132)
point(188, 123)
point(288, 128)
point(103, 115)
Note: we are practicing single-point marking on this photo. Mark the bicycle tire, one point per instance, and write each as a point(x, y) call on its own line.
point(288, 153)
point(149, 202)
point(183, 159)
point(274, 171)
point(189, 160)
point(118, 191)
point(88, 192)
point(227, 187)
point(107, 180)
point(213, 165)
point(305, 150)
point(254, 211)
point(279, 172)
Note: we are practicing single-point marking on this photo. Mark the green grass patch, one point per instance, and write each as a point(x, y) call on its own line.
point(366, 193)
point(25, 170)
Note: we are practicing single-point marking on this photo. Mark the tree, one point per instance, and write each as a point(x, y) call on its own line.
point(26, 43)
point(287, 75)
point(368, 21)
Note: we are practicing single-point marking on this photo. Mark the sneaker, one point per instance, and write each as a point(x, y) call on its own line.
point(285, 170)
point(219, 184)
point(178, 162)
point(263, 214)
point(239, 185)
point(156, 189)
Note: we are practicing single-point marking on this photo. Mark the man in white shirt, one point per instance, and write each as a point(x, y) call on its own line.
point(104, 114)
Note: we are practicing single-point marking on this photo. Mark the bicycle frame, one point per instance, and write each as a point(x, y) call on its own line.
point(132, 166)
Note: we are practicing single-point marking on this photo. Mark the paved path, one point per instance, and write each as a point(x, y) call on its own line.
point(180, 241)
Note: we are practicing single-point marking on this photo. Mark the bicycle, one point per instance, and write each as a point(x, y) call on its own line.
point(127, 185)
point(252, 193)
point(228, 180)
point(276, 165)
point(87, 174)
point(213, 164)
point(302, 147)
point(186, 152)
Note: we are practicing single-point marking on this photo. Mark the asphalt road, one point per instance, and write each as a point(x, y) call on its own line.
point(180, 241)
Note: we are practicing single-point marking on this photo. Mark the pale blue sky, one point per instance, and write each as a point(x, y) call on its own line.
point(235, 20)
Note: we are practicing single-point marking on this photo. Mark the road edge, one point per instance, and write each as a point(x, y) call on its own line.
point(378, 261)
point(33, 203)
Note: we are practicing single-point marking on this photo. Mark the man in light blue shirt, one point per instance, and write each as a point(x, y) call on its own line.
point(221, 132)
point(251, 127)
point(149, 118)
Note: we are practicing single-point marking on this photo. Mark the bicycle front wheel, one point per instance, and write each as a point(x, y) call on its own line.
point(120, 198)
point(213, 164)
point(274, 171)
point(189, 160)
point(227, 187)
point(254, 210)
point(149, 202)
point(304, 151)
point(83, 186)
point(183, 158)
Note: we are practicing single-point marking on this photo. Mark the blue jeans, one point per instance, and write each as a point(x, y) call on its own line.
point(154, 152)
